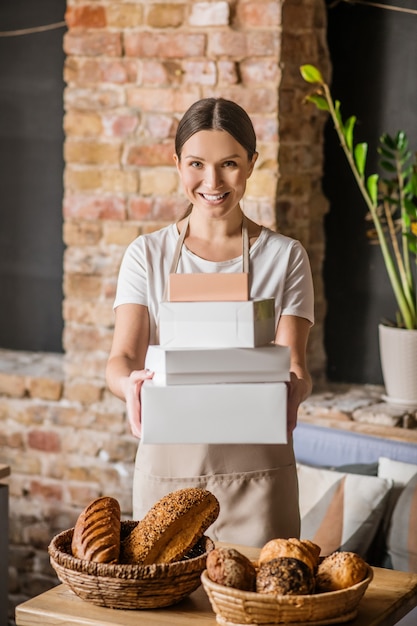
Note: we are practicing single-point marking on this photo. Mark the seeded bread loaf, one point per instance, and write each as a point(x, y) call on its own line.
point(97, 532)
point(285, 576)
point(340, 570)
point(171, 527)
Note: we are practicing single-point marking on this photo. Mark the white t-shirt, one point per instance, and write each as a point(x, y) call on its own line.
point(278, 265)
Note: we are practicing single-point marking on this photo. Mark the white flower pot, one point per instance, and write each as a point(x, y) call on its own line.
point(398, 353)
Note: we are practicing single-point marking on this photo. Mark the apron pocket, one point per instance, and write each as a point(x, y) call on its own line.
point(254, 506)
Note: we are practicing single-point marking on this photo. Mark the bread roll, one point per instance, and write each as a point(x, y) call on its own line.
point(229, 567)
point(304, 550)
point(340, 570)
point(171, 527)
point(97, 532)
point(285, 576)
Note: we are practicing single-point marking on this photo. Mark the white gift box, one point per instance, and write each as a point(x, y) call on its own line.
point(217, 324)
point(179, 366)
point(220, 413)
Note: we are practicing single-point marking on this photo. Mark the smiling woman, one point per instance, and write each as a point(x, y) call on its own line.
point(215, 154)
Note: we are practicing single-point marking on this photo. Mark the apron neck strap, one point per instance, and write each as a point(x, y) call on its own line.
point(183, 233)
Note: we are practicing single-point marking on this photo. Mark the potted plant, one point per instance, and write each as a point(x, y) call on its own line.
point(391, 200)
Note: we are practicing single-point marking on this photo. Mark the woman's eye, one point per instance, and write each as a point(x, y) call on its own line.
point(195, 164)
point(229, 164)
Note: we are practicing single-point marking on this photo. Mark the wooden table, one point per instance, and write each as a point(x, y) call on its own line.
point(389, 597)
point(4, 542)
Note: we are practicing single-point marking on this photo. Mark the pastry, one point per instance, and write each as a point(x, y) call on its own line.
point(340, 570)
point(229, 567)
point(285, 576)
point(97, 532)
point(304, 550)
point(171, 527)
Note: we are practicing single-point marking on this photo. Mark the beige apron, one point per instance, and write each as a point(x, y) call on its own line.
point(256, 485)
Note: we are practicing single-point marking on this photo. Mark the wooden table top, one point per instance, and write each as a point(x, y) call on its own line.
point(389, 597)
point(4, 471)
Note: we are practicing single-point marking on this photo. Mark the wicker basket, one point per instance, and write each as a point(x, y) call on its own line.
point(233, 606)
point(128, 586)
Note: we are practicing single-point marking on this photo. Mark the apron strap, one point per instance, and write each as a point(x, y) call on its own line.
point(180, 241)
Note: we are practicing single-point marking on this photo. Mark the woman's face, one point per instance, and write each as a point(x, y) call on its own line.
point(214, 168)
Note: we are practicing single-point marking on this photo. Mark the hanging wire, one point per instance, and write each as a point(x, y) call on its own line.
point(30, 31)
point(378, 5)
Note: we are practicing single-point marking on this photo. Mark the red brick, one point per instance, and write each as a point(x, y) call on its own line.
point(91, 207)
point(200, 72)
point(86, 16)
point(256, 14)
point(93, 43)
point(90, 71)
point(140, 208)
point(151, 155)
point(169, 209)
point(45, 440)
point(160, 125)
point(164, 45)
point(119, 124)
point(154, 100)
point(83, 287)
point(48, 491)
point(258, 71)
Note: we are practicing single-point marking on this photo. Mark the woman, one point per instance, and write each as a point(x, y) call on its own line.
point(215, 153)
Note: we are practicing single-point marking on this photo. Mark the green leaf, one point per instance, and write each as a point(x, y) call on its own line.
point(319, 101)
point(386, 153)
point(401, 140)
point(311, 74)
point(388, 141)
point(348, 131)
point(360, 153)
point(389, 167)
point(372, 186)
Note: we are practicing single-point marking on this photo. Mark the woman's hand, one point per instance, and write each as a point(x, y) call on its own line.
point(297, 392)
point(132, 386)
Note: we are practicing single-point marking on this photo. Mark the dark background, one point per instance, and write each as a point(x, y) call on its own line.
point(31, 170)
point(374, 57)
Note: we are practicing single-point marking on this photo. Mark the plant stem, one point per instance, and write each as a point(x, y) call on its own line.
point(402, 300)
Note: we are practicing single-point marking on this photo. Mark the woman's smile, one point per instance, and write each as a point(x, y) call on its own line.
point(214, 168)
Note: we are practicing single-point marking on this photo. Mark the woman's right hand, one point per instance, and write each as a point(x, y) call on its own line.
point(131, 388)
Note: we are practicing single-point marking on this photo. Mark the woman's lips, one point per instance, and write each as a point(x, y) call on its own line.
point(213, 197)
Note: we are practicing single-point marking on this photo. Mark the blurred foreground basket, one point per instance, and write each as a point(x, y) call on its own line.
point(128, 586)
point(233, 606)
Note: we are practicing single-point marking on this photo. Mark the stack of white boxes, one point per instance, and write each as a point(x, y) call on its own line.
point(218, 378)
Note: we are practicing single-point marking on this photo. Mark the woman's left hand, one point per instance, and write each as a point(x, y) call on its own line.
point(296, 388)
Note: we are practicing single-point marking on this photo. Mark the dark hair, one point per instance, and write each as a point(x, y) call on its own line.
point(217, 114)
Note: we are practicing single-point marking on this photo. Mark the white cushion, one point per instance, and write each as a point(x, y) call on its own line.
point(339, 510)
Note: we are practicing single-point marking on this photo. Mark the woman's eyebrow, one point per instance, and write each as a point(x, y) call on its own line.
point(227, 158)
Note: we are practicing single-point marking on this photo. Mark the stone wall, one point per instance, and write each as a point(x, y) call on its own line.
point(131, 70)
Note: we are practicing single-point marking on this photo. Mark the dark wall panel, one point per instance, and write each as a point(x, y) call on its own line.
point(374, 56)
point(31, 171)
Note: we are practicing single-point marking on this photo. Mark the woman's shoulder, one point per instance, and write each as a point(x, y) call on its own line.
point(275, 238)
point(156, 239)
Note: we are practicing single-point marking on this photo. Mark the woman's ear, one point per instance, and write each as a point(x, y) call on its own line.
point(252, 163)
point(176, 160)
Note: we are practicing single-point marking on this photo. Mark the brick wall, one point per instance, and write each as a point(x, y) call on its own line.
point(131, 70)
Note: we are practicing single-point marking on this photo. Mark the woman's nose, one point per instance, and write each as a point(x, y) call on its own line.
point(213, 177)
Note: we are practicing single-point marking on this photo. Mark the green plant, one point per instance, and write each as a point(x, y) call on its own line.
point(391, 198)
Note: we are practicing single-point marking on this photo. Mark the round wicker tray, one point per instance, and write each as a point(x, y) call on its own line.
point(233, 606)
point(128, 586)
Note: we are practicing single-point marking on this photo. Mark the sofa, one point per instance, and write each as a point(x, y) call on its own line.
point(359, 492)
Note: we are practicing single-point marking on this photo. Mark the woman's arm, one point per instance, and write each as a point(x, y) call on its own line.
point(293, 331)
point(124, 372)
